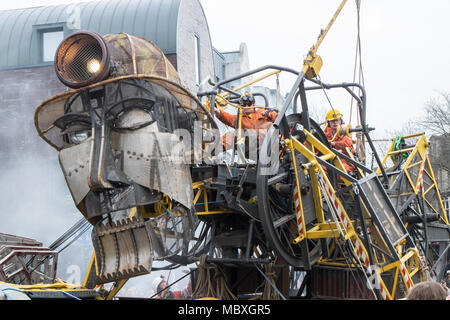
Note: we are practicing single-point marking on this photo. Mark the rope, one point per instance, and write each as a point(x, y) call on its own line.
point(222, 290)
point(87, 227)
point(360, 147)
point(203, 286)
point(323, 89)
point(269, 292)
point(358, 54)
point(217, 288)
point(423, 268)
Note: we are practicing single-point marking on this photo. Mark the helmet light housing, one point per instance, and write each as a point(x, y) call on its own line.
point(82, 59)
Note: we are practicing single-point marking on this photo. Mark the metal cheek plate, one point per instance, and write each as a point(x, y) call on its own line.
point(74, 162)
point(149, 161)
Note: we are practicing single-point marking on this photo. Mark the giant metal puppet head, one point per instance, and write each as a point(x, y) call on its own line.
point(115, 131)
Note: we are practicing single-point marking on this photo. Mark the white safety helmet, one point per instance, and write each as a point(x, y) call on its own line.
point(157, 282)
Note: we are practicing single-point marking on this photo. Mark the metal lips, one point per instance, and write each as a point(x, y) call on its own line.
point(123, 249)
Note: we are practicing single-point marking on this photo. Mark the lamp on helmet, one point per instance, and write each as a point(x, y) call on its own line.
point(82, 59)
point(247, 100)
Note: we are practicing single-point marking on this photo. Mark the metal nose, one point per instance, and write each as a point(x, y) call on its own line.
point(103, 172)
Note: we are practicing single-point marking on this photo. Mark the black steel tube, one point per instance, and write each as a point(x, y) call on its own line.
point(360, 129)
point(336, 170)
point(295, 107)
point(429, 217)
point(259, 94)
point(256, 94)
point(291, 95)
point(305, 118)
point(344, 85)
point(237, 261)
point(348, 159)
point(249, 240)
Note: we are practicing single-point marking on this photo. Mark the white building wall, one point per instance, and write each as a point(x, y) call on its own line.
point(237, 62)
point(191, 23)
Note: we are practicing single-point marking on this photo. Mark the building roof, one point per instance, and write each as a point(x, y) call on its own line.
point(21, 29)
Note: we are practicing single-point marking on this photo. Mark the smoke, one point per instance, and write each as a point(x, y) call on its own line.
point(37, 204)
point(35, 200)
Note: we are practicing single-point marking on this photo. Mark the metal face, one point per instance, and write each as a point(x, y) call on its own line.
point(126, 156)
point(118, 153)
point(74, 162)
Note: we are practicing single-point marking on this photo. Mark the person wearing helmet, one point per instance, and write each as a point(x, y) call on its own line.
point(160, 287)
point(252, 118)
point(339, 142)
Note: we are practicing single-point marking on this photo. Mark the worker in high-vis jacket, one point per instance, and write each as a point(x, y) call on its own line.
point(252, 118)
point(162, 290)
point(337, 140)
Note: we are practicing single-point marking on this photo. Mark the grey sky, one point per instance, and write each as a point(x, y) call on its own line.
point(405, 47)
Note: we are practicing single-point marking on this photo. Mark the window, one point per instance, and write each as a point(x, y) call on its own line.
point(50, 41)
point(197, 58)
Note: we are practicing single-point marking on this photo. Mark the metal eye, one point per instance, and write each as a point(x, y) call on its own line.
point(79, 136)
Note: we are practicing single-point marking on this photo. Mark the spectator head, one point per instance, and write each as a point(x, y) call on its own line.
point(427, 290)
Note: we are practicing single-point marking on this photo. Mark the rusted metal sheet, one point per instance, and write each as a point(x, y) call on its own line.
point(26, 261)
point(135, 55)
point(339, 283)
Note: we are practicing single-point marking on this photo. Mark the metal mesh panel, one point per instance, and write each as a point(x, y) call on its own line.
point(80, 59)
point(383, 211)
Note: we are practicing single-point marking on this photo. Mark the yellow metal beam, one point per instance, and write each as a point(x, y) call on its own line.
point(115, 290)
point(251, 82)
point(91, 267)
point(327, 230)
point(213, 212)
point(313, 62)
point(299, 215)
